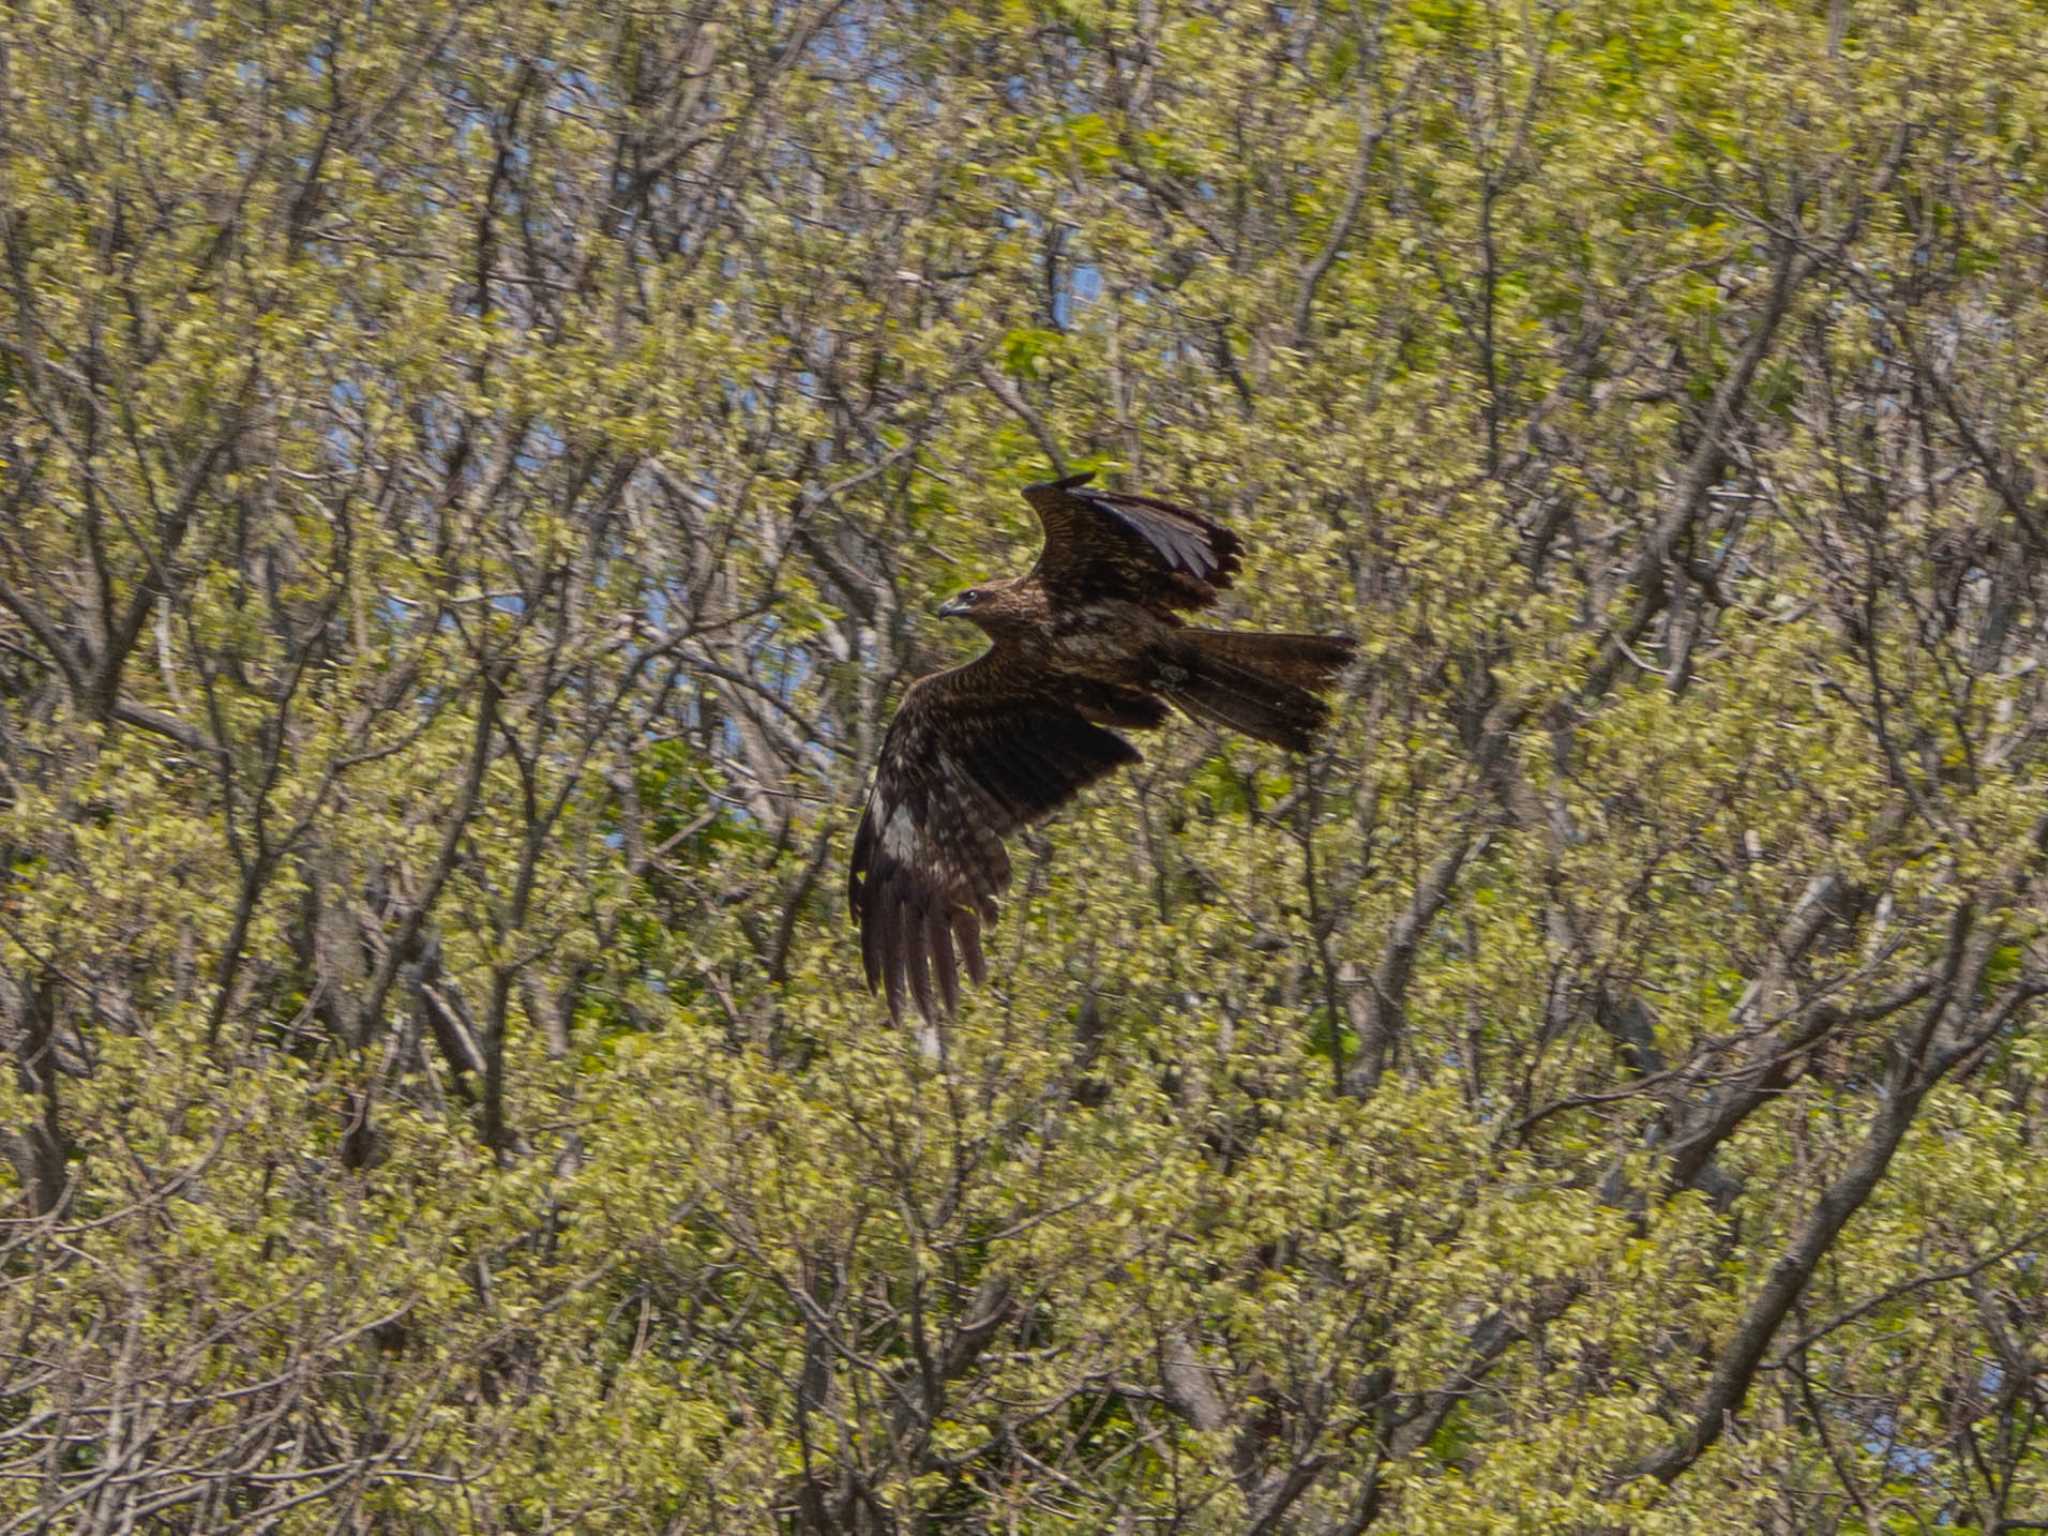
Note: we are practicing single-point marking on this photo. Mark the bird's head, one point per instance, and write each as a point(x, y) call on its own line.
point(997, 608)
point(967, 604)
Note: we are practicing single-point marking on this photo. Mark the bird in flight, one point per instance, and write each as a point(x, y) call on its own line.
point(1091, 637)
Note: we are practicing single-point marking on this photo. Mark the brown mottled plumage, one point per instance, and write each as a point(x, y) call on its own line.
point(1090, 638)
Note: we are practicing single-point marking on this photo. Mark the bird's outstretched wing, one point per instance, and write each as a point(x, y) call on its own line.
point(972, 755)
point(1102, 544)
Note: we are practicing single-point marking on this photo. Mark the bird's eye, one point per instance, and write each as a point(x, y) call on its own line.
point(971, 595)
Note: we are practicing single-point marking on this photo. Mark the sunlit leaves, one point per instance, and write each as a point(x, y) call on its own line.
point(511, 453)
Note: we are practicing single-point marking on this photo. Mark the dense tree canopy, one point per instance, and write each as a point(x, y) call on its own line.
point(474, 478)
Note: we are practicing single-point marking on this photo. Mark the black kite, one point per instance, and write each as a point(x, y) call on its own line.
point(1090, 638)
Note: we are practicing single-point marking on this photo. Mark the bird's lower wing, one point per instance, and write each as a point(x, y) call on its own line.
point(972, 755)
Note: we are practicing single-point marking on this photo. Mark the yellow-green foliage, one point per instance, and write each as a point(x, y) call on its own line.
point(473, 483)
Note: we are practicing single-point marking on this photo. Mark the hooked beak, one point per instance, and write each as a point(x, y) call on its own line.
point(952, 608)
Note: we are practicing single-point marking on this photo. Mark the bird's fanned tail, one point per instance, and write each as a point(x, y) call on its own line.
point(1261, 684)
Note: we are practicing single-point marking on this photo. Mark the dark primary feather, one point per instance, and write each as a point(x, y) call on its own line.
point(1108, 543)
point(972, 755)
